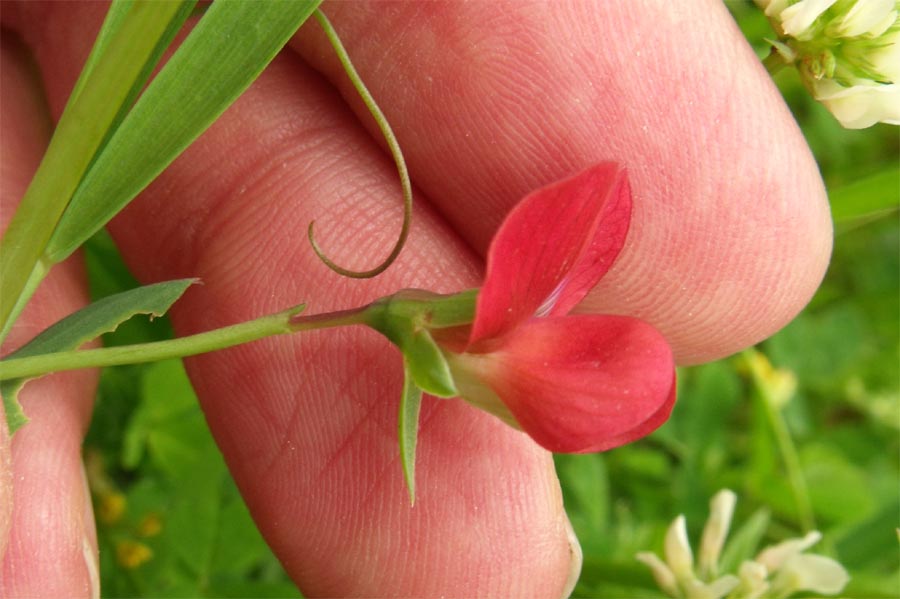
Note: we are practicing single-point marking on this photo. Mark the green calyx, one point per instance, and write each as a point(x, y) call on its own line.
point(407, 319)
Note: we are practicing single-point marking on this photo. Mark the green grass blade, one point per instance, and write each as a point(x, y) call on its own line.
point(102, 316)
point(129, 43)
point(227, 50)
point(867, 197)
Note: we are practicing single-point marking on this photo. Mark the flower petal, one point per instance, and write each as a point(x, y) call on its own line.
point(581, 383)
point(553, 248)
point(815, 573)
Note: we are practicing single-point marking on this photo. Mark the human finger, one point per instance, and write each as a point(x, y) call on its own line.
point(307, 424)
point(48, 546)
point(731, 232)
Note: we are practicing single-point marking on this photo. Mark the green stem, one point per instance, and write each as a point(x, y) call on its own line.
point(394, 148)
point(786, 447)
point(792, 465)
point(774, 62)
point(267, 326)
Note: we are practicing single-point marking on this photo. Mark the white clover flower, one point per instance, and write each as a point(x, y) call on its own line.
point(777, 571)
point(847, 53)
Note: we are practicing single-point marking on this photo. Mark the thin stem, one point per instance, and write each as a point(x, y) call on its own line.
point(394, 148)
point(792, 466)
point(340, 318)
point(267, 326)
point(785, 443)
point(774, 62)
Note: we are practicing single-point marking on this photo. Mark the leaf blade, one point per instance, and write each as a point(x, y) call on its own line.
point(214, 65)
point(100, 317)
point(867, 197)
point(110, 80)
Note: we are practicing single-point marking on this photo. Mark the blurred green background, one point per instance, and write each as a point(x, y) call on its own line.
point(804, 428)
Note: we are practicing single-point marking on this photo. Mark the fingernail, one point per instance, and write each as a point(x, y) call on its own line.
point(89, 542)
point(92, 567)
point(576, 558)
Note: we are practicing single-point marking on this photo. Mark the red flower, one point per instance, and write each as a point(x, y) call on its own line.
point(575, 383)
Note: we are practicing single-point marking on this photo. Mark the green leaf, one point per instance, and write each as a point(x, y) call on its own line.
point(71, 332)
point(837, 486)
point(408, 429)
point(872, 540)
point(115, 19)
point(224, 53)
point(745, 541)
point(587, 491)
point(129, 46)
point(868, 197)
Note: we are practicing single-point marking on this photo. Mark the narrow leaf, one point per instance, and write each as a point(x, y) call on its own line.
point(102, 316)
point(745, 541)
point(110, 82)
point(867, 197)
point(408, 429)
point(227, 50)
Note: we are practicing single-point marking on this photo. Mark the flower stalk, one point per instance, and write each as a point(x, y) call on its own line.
point(287, 321)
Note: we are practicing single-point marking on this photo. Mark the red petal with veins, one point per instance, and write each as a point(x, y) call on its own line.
point(553, 248)
point(583, 383)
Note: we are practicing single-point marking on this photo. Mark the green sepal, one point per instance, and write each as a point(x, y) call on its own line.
point(102, 316)
point(433, 310)
point(403, 319)
point(408, 429)
point(427, 365)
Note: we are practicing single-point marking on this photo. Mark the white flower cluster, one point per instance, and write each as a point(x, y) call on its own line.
point(777, 571)
point(847, 51)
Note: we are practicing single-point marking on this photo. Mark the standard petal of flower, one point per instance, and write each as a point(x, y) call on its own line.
point(581, 383)
point(553, 248)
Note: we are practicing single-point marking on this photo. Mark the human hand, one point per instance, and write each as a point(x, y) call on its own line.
point(730, 236)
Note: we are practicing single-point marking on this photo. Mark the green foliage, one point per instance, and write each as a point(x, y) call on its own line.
point(171, 522)
point(182, 530)
point(214, 65)
point(104, 151)
point(102, 316)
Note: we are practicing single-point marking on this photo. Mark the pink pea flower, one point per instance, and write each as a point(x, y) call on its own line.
point(575, 383)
